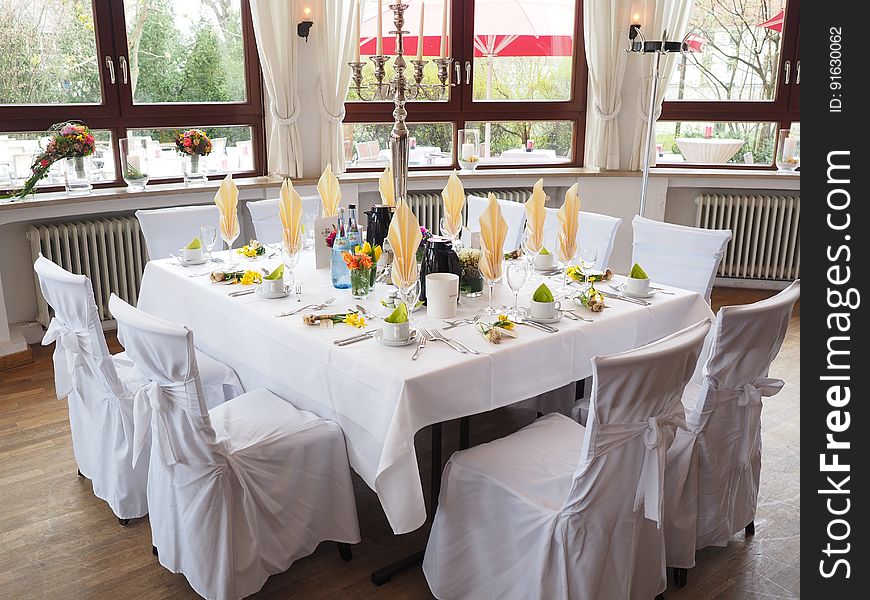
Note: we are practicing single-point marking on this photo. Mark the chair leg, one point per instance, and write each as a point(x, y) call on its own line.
point(681, 577)
point(344, 551)
point(124, 522)
point(154, 550)
point(750, 529)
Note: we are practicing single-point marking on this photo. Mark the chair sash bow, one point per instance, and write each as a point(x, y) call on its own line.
point(154, 398)
point(658, 432)
point(72, 349)
point(749, 397)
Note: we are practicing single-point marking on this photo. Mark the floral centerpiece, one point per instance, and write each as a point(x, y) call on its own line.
point(592, 298)
point(360, 266)
point(72, 140)
point(192, 144)
point(470, 279)
point(352, 318)
point(243, 277)
point(497, 331)
point(252, 249)
point(373, 252)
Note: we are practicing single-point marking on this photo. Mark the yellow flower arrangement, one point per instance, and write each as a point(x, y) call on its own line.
point(504, 323)
point(252, 249)
point(355, 320)
point(373, 253)
point(250, 277)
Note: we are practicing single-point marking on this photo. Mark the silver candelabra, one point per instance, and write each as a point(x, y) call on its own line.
point(400, 90)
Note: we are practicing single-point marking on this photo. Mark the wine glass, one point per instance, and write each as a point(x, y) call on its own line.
point(517, 272)
point(531, 249)
point(588, 257)
point(565, 260)
point(228, 240)
point(290, 258)
point(491, 309)
point(449, 232)
point(208, 235)
point(410, 295)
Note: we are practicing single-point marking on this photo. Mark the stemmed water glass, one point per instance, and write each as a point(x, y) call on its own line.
point(410, 295)
point(208, 234)
point(565, 261)
point(517, 272)
point(449, 232)
point(229, 240)
point(530, 250)
point(588, 257)
point(290, 258)
point(491, 309)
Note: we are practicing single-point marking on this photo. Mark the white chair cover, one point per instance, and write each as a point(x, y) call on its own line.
point(714, 464)
point(237, 493)
point(514, 213)
point(557, 510)
point(596, 230)
point(98, 387)
point(100, 406)
point(684, 257)
point(166, 230)
point(267, 223)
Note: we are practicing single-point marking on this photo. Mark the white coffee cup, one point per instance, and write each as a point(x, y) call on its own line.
point(638, 287)
point(273, 287)
point(191, 254)
point(544, 310)
point(442, 295)
point(396, 332)
point(543, 262)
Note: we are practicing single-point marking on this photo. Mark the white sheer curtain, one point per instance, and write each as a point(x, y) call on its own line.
point(671, 16)
point(606, 29)
point(275, 30)
point(336, 40)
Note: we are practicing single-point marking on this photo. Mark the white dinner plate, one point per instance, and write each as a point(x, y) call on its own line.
point(378, 336)
point(555, 319)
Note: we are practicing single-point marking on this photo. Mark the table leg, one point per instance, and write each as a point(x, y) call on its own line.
point(384, 574)
point(464, 432)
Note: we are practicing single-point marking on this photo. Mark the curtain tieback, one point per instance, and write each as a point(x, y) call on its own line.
point(157, 398)
point(612, 114)
point(297, 108)
point(331, 116)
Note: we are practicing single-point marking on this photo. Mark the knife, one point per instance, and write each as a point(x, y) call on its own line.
point(637, 301)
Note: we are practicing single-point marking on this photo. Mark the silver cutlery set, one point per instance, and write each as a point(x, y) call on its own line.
point(320, 306)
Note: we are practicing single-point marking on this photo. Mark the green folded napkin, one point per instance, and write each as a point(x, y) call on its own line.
point(544, 251)
point(276, 274)
point(637, 272)
point(194, 244)
point(543, 294)
point(399, 315)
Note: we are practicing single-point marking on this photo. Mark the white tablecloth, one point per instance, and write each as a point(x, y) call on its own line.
point(378, 396)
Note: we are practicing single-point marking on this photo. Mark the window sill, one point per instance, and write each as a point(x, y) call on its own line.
point(257, 183)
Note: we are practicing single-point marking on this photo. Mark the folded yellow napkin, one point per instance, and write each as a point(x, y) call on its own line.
point(569, 223)
point(453, 195)
point(404, 237)
point(536, 214)
point(387, 187)
point(330, 192)
point(290, 211)
point(493, 230)
point(227, 201)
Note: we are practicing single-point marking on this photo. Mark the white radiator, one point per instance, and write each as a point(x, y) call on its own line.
point(428, 206)
point(111, 252)
point(765, 241)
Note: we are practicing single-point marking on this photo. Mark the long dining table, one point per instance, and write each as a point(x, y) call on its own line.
point(376, 393)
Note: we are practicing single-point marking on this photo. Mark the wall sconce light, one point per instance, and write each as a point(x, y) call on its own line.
point(303, 28)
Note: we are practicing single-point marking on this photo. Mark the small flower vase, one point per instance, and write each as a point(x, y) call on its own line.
point(360, 282)
point(193, 174)
point(470, 282)
point(77, 182)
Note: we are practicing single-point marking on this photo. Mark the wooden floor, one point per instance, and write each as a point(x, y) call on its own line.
point(58, 541)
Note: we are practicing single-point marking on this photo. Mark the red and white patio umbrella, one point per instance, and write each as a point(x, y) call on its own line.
point(775, 22)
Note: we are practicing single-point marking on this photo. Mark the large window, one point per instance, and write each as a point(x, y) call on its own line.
point(130, 68)
point(728, 98)
point(519, 77)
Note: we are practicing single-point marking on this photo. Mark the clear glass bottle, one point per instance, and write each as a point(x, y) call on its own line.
point(353, 236)
point(340, 272)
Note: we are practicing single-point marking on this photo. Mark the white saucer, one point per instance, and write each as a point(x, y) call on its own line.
point(555, 319)
point(259, 291)
point(548, 271)
point(191, 263)
point(378, 336)
point(621, 289)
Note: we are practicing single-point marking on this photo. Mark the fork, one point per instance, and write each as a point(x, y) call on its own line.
point(444, 338)
point(298, 292)
point(320, 306)
point(458, 323)
point(572, 313)
point(421, 344)
point(435, 338)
